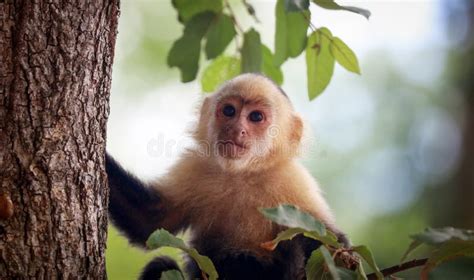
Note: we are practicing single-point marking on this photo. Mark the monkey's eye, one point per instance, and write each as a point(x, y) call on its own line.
point(256, 116)
point(228, 111)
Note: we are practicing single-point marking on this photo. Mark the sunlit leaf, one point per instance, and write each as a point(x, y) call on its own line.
point(296, 5)
point(290, 33)
point(220, 34)
point(189, 8)
point(172, 274)
point(251, 52)
point(319, 62)
point(449, 250)
point(220, 70)
point(436, 236)
point(366, 254)
point(344, 55)
point(269, 68)
point(162, 238)
point(292, 217)
point(185, 51)
point(331, 5)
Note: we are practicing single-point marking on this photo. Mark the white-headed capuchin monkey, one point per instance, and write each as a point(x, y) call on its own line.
point(247, 140)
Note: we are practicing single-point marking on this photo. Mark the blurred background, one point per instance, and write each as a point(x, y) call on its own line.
point(393, 149)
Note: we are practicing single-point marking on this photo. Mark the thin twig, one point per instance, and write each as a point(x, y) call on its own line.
point(251, 11)
point(397, 268)
point(232, 15)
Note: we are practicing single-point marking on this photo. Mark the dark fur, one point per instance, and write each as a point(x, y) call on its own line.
point(134, 209)
point(154, 268)
point(287, 262)
point(137, 211)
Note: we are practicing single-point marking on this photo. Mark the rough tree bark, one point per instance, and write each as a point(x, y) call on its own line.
point(55, 74)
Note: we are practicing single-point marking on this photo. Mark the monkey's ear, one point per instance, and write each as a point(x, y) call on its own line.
point(296, 128)
point(204, 115)
point(205, 108)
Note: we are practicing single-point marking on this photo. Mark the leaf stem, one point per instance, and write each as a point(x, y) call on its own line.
point(311, 25)
point(397, 268)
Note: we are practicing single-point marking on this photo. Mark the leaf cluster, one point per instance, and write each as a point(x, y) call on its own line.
point(331, 260)
point(212, 23)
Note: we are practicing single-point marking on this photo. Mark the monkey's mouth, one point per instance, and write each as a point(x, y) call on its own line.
point(231, 149)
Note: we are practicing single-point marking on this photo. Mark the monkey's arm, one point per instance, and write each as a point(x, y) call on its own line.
point(135, 208)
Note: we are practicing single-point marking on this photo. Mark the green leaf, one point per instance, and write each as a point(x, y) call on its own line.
point(251, 52)
point(331, 5)
point(297, 24)
point(449, 250)
point(437, 236)
point(220, 70)
point(329, 262)
point(172, 274)
point(162, 238)
point(328, 239)
point(413, 245)
point(315, 266)
point(220, 34)
point(319, 62)
point(290, 33)
point(292, 217)
point(185, 51)
point(366, 254)
point(187, 9)
point(287, 234)
point(281, 33)
point(204, 263)
point(296, 5)
point(269, 68)
point(344, 55)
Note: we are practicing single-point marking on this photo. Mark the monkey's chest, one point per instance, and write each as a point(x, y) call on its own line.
point(231, 220)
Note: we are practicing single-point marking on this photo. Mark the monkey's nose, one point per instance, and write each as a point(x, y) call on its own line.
point(243, 132)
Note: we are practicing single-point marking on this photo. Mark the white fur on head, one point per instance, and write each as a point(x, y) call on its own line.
point(264, 151)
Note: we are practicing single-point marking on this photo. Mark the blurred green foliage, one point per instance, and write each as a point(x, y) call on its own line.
point(402, 110)
point(125, 261)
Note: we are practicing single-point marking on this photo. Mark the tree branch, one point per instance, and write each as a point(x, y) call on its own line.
point(397, 268)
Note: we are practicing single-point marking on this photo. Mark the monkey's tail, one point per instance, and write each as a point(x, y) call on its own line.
point(158, 265)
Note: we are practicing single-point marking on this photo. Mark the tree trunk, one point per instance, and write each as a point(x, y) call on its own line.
point(55, 74)
point(461, 191)
point(464, 180)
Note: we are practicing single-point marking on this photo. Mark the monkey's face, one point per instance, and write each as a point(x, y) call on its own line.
point(249, 124)
point(242, 127)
